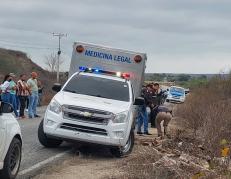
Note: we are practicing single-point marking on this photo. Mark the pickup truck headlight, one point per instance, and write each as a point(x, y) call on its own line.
point(120, 118)
point(55, 107)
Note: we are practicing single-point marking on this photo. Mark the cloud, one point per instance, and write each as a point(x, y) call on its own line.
point(178, 36)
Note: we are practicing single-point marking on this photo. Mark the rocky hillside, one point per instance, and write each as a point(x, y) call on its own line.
point(19, 63)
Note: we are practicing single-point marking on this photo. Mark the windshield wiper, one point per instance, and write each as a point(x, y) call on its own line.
point(71, 91)
point(99, 96)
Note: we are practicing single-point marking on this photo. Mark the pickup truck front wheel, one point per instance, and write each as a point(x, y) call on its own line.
point(12, 160)
point(45, 141)
point(125, 150)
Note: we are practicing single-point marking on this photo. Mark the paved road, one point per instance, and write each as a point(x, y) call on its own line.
point(33, 151)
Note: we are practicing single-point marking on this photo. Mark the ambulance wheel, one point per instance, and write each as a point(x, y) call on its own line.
point(125, 150)
point(45, 141)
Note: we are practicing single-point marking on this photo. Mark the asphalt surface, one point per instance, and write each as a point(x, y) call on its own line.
point(33, 152)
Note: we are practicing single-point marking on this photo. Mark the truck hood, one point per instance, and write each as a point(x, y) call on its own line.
point(114, 106)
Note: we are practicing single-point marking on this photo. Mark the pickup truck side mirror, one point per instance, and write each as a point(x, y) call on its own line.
point(139, 101)
point(5, 108)
point(57, 87)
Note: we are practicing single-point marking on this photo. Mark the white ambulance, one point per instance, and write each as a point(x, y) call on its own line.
point(98, 102)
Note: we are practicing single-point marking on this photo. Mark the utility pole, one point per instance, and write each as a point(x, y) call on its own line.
point(59, 35)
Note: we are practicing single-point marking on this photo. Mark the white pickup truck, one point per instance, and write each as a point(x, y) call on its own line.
point(10, 143)
point(98, 102)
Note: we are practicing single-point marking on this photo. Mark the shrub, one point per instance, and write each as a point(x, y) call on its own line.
point(207, 112)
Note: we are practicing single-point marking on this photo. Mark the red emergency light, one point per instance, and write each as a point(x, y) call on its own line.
point(96, 70)
point(125, 75)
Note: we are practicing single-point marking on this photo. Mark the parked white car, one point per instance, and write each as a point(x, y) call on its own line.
point(176, 94)
point(10, 143)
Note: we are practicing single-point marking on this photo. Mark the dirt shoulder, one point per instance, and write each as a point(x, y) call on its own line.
point(82, 168)
point(152, 157)
point(96, 163)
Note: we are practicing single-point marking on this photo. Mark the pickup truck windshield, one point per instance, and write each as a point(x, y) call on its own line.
point(99, 87)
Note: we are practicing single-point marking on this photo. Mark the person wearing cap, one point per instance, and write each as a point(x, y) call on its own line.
point(12, 91)
point(33, 98)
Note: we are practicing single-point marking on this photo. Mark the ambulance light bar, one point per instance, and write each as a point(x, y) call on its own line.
point(96, 70)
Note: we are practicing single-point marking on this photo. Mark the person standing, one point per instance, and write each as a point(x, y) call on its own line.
point(23, 93)
point(155, 104)
point(12, 90)
point(33, 98)
point(40, 92)
point(142, 114)
point(5, 96)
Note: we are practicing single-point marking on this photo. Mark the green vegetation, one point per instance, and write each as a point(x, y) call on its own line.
point(194, 82)
point(184, 80)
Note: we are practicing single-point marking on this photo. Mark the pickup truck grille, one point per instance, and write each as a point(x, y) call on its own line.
point(87, 115)
point(86, 129)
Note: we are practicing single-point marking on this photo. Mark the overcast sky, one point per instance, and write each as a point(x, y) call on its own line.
point(180, 36)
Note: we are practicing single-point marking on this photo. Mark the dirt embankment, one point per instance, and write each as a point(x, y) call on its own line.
point(151, 158)
point(199, 146)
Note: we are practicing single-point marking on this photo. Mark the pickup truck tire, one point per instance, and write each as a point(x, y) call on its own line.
point(45, 141)
point(12, 160)
point(127, 149)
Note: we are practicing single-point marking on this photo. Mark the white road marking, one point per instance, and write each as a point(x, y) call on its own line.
point(40, 164)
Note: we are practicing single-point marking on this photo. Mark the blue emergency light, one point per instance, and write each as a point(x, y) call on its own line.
point(82, 68)
point(96, 70)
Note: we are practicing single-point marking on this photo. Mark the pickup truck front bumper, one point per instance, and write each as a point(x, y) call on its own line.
point(111, 134)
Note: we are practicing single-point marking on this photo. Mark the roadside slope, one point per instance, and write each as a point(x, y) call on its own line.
point(18, 62)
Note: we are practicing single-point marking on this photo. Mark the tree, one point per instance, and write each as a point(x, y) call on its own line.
point(183, 77)
point(202, 77)
point(51, 62)
point(171, 78)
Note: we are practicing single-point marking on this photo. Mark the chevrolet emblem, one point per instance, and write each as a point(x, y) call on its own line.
point(86, 114)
